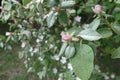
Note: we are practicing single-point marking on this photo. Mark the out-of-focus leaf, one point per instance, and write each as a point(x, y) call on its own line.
point(116, 53)
point(94, 25)
point(64, 45)
point(63, 19)
point(66, 4)
point(51, 19)
point(116, 28)
point(25, 2)
point(82, 62)
point(105, 32)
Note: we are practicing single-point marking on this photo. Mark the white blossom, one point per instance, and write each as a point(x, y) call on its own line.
point(23, 44)
point(59, 78)
point(78, 18)
point(38, 1)
point(70, 66)
point(106, 77)
point(19, 25)
point(85, 26)
point(112, 76)
point(55, 70)
point(33, 33)
point(77, 78)
point(37, 40)
point(46, 41)
point(40, 58)
point(56, 57)
point(63, 60)
point(41, 37)
point(8, 33)
point(32, 53)
point(29, 59)
point(35, 50)
point(31, 49)
point(51, 46)
point(61, 75)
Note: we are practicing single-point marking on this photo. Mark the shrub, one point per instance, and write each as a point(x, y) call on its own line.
point(59, 38)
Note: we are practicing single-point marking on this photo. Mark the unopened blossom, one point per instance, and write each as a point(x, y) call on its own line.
point(65, 36)
point(97, 9)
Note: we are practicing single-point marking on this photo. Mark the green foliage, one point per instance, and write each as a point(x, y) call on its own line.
point(51, 19)
point(48, 33)
point(105, 32)
point(84, 67)
point(66, 4)
point(116, 53)
point(95, 24)
point(63, 18)
point(89, 34)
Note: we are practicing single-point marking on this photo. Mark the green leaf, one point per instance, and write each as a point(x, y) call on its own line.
point(52, 3)
point(66, 4)
point(6, 16)
point(89, 34)
point(64, 45)
point(105, 32)
point(51, 19)
point(94, 24)
point(63, 18)
point(1, 44)
point(116, 28)
point(83, 61)
point(70, 51)
point(116, 53)
point(25, 2)
point(7, 6)
point(117, 1)
point(68, 76)
point(21, 55)
point(74, 29)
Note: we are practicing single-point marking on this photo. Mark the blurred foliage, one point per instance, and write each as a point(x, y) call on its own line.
point(61, 39)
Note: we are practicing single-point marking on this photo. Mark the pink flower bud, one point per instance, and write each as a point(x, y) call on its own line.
point(66, 36)
point(97, 9)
